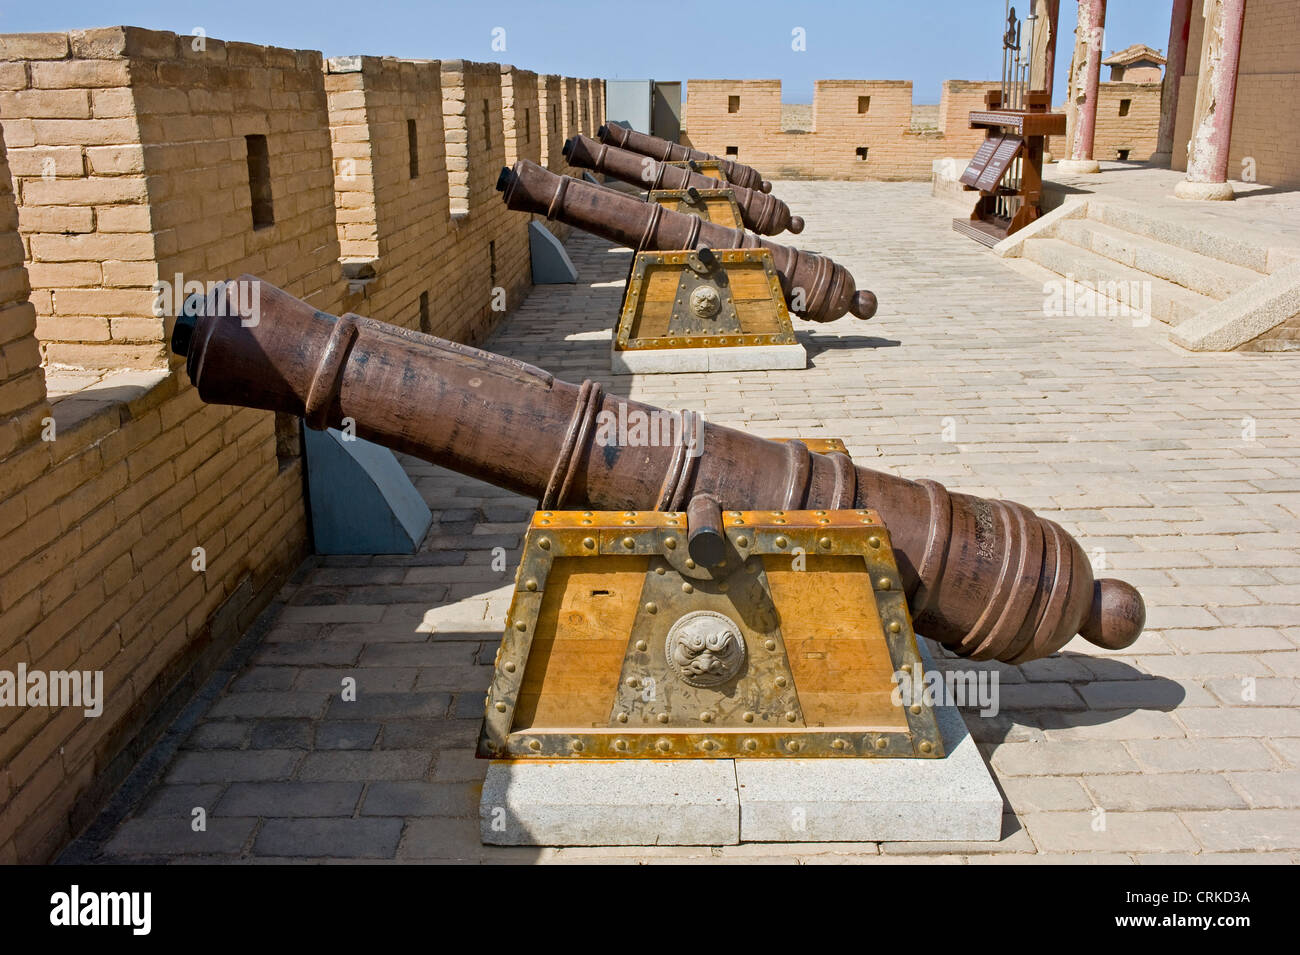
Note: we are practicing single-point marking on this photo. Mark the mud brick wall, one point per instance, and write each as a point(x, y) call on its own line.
point(23, 404)
point(847, 116)
point(1266, 112)
point(98, 526)
point(76, 158)
point(390, 222)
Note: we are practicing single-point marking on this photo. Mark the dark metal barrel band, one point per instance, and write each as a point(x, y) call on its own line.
point(930, 569)
point(325, 382)
point(652, 224)
point(798, 460)
point(681, 468)
point(583, 410)
point(557, 200)
point(846, 481)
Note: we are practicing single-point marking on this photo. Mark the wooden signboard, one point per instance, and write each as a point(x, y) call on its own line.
point(1007, 150)
point(980, 160)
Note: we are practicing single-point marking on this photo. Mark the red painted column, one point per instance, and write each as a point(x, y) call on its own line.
point(1087, 45)
point(1180, 21)
point(1216, 92)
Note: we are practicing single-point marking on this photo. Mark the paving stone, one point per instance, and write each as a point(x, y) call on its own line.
point(334, 735)
point(329, 838)
point(219, 734)
point(369, 765)
point(290, 799)
point(225, 766)
point(1268, 790)
point(1257, 829)
point(1078, 758)
point(282, 734)
point(181, 800)
point(420, 799)
point(175, 837)
point(1200, 755)
point(1138, 793)
point(1121, 832)
point(1044, 793)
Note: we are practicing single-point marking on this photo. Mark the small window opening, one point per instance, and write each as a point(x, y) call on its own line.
point(1122, 155)
point(259, 181)
point(864, 103)
point(492, 263)
point(733, 104)
point(424, 314)
point(487, 125)
point(861, 152)
point(1124, 105)
point(733, 150)
point(413, 147)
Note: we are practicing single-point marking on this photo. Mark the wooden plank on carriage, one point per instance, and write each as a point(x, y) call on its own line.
point(1006, 151)
point(980, 160)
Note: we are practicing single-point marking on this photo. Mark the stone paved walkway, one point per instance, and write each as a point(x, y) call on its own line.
point(1180, 471)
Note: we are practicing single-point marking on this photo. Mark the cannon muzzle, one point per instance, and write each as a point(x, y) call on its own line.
point(737, 173)
point(814, 286)
point(764, 214)
point(989, 579)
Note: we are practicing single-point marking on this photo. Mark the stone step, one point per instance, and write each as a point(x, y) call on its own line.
point(1220, 245)
point(1164, 301)
point(1191, 270)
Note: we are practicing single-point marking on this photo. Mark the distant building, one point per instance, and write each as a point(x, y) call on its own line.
point(1138, 63)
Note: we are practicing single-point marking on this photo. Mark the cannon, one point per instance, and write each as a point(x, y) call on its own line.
point(815, 287)
point(988, 579)
point(764, 214)
point(737, 174)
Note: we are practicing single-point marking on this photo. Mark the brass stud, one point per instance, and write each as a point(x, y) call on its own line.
point(751, 744)
point(895, 626)
point(663, 717)
point(501, 707)
point(687, 589)
point(620, 744)
point(510, 666)
point(748, 717)
point(926, 746)
point(825, 542)
point(820, 513)
point(690, 564)
point(873, 540)
point(884, 583)
point(622, 717)
point(544, 543)
point(670, 543)
point(769, 644)
point(546, 514)
point(629, 543)
point(881, 742)
point(534, 745)
point(633, 682)
point(659, 571)
point(839, 744)
point(792, 747)
point(790, 716)
point(709, 745)
point(589, 542)
point(530, 584)
point(907, 668)
point(576, 746)
point(663, 745)
point(652, 607)
point(915, 708)
point(521, 626)
point(641, 644)
point(779, 681)
point(781, 542)
point(706, 717)
point(742, 541)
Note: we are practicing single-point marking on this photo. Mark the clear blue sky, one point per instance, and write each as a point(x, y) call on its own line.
point(925, 41)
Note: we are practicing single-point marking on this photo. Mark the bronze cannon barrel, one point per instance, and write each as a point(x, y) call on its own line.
point(764, 214)
point(815, 287)
point(989, 579)
point(737, 173)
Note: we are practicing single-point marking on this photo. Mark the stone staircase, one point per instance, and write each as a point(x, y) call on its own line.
point(1222, 291)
